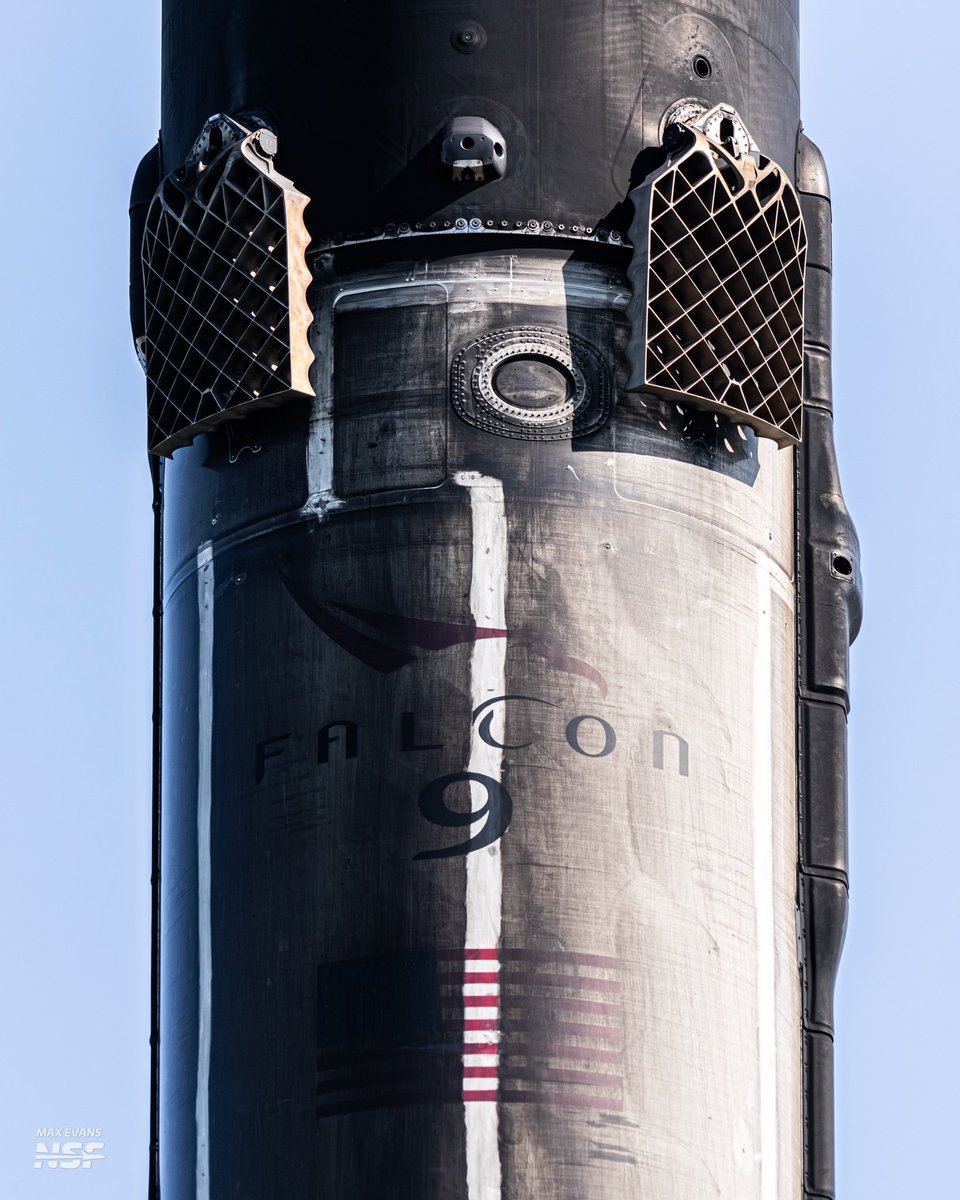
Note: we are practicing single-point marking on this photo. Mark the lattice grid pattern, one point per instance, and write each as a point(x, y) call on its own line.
point(225, 330)
point(723, 287)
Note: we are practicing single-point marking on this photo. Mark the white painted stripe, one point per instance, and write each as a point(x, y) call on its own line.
point(481, 1037)
point(481, 989)
point(205, 584)
point(484, 900)
point(321, 497)
point(763, 800)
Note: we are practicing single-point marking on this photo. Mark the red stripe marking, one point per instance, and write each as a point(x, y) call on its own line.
point(479, 977)
point(469, 955)
point(480, 1072)
point(547, 956)
point(587, 1054)
point(403, 1100)
point(580, 983)
point(560, 1099)
point(478, 1023)
point(556, 1075)
point(540, 1029)
point(481, 1001)
point(525, 1003)
point(481, 1048)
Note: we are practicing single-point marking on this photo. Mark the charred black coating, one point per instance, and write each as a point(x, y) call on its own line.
point(359, 91)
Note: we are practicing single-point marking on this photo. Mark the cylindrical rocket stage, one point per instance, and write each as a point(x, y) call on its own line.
point(478, 845)
point(480, 852)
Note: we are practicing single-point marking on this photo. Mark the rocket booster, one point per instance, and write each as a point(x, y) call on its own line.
point(504, 592)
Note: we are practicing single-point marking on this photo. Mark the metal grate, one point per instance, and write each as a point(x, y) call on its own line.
point(225, 284)
point(717, 275)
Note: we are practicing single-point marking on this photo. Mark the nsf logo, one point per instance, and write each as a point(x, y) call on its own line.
point(67, 1149)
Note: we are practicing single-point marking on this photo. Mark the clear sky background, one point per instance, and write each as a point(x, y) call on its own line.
point(80, 89)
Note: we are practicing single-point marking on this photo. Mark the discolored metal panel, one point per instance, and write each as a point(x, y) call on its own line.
point(391, 397)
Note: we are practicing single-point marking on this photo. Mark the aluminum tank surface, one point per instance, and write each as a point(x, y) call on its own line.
point(589, 987)
point(492, 860)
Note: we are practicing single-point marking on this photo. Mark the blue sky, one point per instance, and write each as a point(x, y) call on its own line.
point(81, 99)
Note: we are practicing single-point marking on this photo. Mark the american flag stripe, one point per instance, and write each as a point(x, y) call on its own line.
point(552, 1075)
point(614, 1011)
point(565, 1029)
point(509, 1026)
point(470, 990)
point(578, 983)
point(566, 1098)
point(581, 1053)
point(470, 954)
point(563, 959)
point(561, 1029)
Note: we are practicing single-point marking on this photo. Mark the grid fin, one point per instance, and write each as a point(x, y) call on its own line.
point(717, 275)
point(225, 283)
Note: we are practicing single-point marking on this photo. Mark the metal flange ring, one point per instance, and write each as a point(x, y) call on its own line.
point(485, 388)
point(568, 399)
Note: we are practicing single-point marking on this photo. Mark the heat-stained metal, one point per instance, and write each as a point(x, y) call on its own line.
point(494, 793)
point(717, 276)
point(225, 284)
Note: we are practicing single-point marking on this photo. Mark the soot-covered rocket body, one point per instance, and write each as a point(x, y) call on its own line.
point(500, 831)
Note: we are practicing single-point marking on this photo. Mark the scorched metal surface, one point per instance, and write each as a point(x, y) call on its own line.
point(481, 857)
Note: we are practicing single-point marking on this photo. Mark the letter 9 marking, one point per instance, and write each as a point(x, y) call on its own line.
point(498, 810)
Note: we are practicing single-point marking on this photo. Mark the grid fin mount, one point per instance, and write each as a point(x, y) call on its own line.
point(225, 288)
point(717, 276)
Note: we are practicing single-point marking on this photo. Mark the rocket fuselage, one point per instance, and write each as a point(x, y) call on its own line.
point(358, 90)
point(479, 871)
